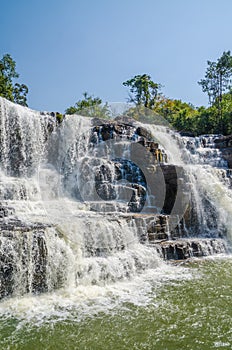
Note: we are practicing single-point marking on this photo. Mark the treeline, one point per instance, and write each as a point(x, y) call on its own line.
point(148, 101)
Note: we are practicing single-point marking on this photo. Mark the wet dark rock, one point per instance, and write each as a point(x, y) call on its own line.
point(188, 248)
point(123, 180)
point(164, 179)
point(186, 133)
point(224, 143)
point(3, 212)
point(112, 130)
point(138, 198)
point(144, 133)
point(116, 130)
point(106, 191)
point(125, 120)
point(157, 228)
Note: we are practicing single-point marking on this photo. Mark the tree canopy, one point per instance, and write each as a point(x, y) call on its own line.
point(89, 106)
point(14, 92)
point(146, 95)
point(217, 81)
point(143, 91)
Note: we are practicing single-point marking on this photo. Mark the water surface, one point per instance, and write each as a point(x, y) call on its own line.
point(189, 308)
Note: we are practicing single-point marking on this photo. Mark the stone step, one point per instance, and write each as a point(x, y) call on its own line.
point(183, 249)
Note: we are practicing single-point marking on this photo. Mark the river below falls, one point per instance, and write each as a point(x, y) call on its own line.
point(188, 306)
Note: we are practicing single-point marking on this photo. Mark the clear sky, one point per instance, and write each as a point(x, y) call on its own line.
point(65, 47)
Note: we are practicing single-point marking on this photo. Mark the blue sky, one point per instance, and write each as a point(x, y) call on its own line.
point(65, 47)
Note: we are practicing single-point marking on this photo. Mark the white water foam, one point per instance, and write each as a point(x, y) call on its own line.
point(91, 256)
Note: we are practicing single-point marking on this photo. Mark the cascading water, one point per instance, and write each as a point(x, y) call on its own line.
point(83, 203)
point(49, 237)
point(209, 180)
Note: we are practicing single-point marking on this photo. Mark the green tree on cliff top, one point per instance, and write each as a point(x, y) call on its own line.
point(14, 92)
point(217, 81)
point(143, 91)
point(89, 106)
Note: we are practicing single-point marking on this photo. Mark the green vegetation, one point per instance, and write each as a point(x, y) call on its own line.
point(143, 91)
point(14, 92)
point(90, 107)
point(59, 117)
point(217, 82)
point(217, 118)
point(150, 105)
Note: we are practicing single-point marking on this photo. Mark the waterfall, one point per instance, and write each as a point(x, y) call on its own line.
point(211, 195)
point(51, 234)
point(84, 202)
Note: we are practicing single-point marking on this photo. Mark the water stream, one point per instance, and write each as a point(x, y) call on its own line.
point(74, 205)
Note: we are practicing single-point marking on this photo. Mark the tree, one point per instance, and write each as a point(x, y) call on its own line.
point(20, 94)
point(13, 92)
point(143, 91)
point(179, 114)
point(90, 107)
point(218, 81)
point(226, 127)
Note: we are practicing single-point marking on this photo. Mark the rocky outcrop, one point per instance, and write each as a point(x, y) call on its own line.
point(188, 248)
point(128, 180)
point(224, 143)
point(126, 129)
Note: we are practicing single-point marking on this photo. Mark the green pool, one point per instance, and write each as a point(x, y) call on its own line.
point(176, 307)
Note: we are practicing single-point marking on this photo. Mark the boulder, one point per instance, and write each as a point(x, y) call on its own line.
point(224, 143)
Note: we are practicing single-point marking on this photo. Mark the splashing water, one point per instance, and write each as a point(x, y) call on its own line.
point(87, 246)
